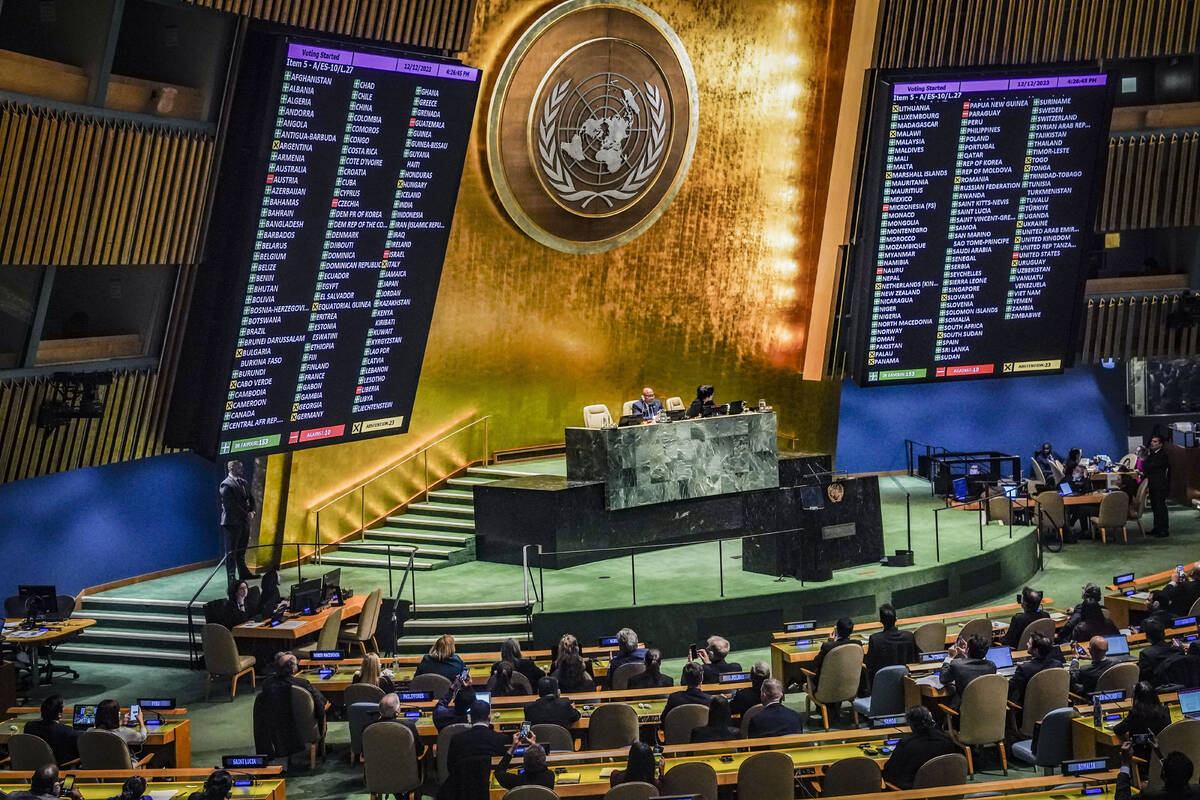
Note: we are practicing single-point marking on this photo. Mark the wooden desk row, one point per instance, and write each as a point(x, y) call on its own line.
point(586, 772)
point(509, 712)
point(169, 741)
point(1123, 609)
point(268, 783)
point(788, 658)
point(48, 634)
point(965, 615)
point(296, 627)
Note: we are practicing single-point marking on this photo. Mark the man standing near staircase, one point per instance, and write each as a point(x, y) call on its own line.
point(237, 509)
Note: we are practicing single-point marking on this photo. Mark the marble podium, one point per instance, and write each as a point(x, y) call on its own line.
point(645, 465)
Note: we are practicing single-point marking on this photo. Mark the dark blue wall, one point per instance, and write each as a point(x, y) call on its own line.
point(1083, 407)
point(90, 526)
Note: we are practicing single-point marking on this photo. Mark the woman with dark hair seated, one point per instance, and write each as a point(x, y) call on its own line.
point(572, 675)
point(1147, 715)
point(218, 786)
point(703, 404)
point(270, 601)
point(236, 608)
point(134, 788)
point(500, 684)
point(1092, 622)
point(110, 718)
point(718, 728)
point(642, 766)
point(510, 651)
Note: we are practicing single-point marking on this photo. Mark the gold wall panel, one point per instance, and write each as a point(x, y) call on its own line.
point(1151, 181)
point(935, 33)
point(717, 291)
point(79, 190)
point(435, 24)
point(129, 429)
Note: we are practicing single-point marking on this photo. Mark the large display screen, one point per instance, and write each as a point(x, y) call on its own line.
point(975, 223)
point(337, 221)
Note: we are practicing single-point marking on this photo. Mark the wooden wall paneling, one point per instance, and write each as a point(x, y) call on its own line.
point(1089, 322)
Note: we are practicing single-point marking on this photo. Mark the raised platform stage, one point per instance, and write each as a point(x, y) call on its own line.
point(573, 524)
point(672, 596)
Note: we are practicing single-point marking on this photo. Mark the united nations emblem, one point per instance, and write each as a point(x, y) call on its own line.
point(589, 138)
point(835, 491)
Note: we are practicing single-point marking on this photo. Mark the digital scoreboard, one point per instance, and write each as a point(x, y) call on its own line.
point(975, 221)
point(331, 223)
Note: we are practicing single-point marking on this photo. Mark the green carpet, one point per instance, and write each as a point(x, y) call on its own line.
point(222, 727)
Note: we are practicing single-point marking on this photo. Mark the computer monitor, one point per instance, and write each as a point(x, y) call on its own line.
point(1010, 490)
point(332, 578)
point(1117, 645)
point(306, 595)
point(960, 488)
point(1000, 656)
point(40, 601)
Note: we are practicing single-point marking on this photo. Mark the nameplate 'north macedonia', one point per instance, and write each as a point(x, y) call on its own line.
point(592, 124)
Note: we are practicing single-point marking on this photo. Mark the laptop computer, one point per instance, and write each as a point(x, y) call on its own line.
point(1010, 490)
point(1118, 648)
point(1065, 489)
point(677, 414)
point(1002, 658)
point(630, 419)
point(1189, 703)
point(737, 407)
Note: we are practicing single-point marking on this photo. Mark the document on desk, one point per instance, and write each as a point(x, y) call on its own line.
point(163, 794)
point(253, 624)
point(291, 624)
point(929, 680)
point(25, 634)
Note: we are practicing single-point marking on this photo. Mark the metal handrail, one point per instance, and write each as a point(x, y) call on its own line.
point(362, 487)
point(907, 509)
point(982, 501)
point(408, 458)
point(193, 661)
point(539, 591)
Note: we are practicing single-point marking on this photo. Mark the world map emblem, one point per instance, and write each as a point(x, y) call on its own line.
point(590, 137)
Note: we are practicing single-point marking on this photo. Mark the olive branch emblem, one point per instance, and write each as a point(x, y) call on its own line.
point(559, 177)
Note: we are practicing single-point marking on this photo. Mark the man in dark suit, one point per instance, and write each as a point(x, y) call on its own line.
point(648, 406)
point(289, 667)
point(965, 664)
point(1031, 602)
point(1043, 654)
point(744, 699)
point(1157, 468)
point(1157, 603)
point(838, 637)
point(237, 509)
point(775, 719)
point(63, 740)
point(469, 757)
point(1091, 592)
point(1083, 678)
point(549, 707)
point(652, 678)
point(1182, 591)
point(712, 659)
point(1156, 652)
point(693, 676)
point(389, 714)
point(455, 706)
point(925, 743)
point(891, 646)
point(1176, 776)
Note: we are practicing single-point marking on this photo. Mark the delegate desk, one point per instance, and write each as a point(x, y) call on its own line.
point(1043, 788)
point(46, 634)
point(1122, 609)
point(509, 712)
point(657, 463)
point(177, 784)
point(404, 667)
point(793, 651)
point(168, 740)
point(295, 626)
point(587, 771)
point(1087, 738)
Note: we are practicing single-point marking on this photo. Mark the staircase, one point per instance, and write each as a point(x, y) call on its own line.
point(476, 627)
point(439, 532)
point(132, 630)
